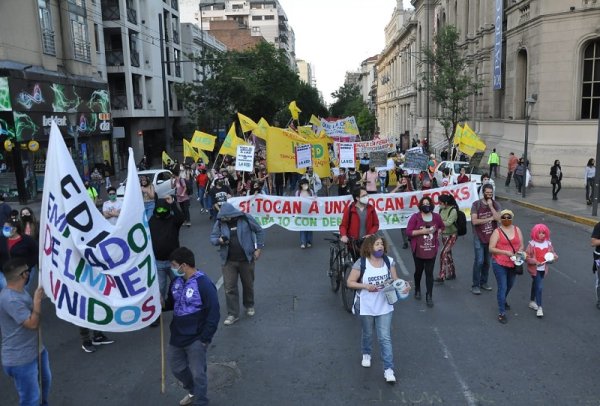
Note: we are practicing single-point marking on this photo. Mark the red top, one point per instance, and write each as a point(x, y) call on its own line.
point(202, 179)
point(350, 222)
point(12, 242)
point(504, 245)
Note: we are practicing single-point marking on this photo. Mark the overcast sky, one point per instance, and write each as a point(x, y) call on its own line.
point(335, 36)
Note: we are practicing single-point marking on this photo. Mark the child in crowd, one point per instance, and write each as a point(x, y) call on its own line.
point(537, 264)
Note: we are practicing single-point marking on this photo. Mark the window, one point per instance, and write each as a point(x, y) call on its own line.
point(96, 38)
point(236, 6)
point(256, 18)
point(590, 95)
point(81, 42)
point(48, 45)
point(269, 17)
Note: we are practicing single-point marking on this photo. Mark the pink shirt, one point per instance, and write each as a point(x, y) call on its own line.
point(504, 245)
point(371, 178)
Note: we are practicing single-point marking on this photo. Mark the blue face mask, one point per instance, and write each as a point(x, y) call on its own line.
point(7, 231)
point(176, 272)
point(378, 254)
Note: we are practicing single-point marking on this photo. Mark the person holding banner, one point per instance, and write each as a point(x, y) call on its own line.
point(23, 358)
point(370, 178)
point(304, 191)
point(314, 181)
point(195, 303)
point(359, 219)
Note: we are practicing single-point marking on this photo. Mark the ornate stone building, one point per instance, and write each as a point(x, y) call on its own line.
point(545, 48)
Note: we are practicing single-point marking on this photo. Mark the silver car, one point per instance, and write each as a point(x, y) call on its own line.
point(160, 178)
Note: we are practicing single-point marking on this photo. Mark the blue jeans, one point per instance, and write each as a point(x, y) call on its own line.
point(306, 237)
point(2, 281)
point(505, 277)
point(149, 209)
point(481, 264)
point(383, 325)
point(25, 378)
point(163, 269)
point(201, 191)
point(537, 284)
point(189, 367)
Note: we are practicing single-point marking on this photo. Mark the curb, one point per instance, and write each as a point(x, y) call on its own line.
point(571, 217)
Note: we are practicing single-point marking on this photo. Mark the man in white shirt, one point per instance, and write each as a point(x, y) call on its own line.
point(112, 207)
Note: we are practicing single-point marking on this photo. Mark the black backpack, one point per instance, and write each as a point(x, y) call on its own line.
point(461, 222)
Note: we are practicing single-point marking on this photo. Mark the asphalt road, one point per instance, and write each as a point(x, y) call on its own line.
point(302, 348)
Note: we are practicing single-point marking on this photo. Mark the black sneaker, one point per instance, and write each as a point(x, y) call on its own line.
point(502, 318)
point(88, 347)
point(506, 306)
point(101, 339)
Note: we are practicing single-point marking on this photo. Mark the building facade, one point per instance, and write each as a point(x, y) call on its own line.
point(305, 72)
point(51, 69)
point(518, 49)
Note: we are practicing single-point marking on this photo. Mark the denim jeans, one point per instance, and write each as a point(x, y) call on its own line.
point(589, 189)
point(149, 208)
point(189, 367)
point(2, 281)
point(231, 270)
point(537, 284)
point(201, 190)
point(505, 277)
point(163, 269)
point(25, 378)
point(481, 264)
point(383, 325)
point(306, 237)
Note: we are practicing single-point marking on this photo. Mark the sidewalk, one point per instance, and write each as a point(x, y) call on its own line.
point(570, 205)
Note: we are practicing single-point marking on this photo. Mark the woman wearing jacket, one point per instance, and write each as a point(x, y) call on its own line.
point(351, 219)
point(556, 176)
point(424, 229)
point(449, 213)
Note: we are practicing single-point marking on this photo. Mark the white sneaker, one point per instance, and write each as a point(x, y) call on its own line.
point(533, 305)
point(230, 320)
point(187, 400)
point(388, 374)
point(308, 245)
point(540, 312)
point(366, 361)
point(250, 311)
point(302, 246)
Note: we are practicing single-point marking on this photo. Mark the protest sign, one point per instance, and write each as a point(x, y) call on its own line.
point(98, 275)
point(244, 159)
point(303, 156)
point(347, 155)
point(325, 213)
point(415, 161)
point(345, 126)
point(378, 159)
point(373, 146)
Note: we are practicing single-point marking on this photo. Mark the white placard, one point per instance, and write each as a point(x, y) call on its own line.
point(244, 158)
point(346, 154)
point(303, 156)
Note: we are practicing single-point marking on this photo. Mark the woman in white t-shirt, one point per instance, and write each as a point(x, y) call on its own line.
point(371, 303)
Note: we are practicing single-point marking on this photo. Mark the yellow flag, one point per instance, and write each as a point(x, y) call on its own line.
point(203, 141)
point(315, 121)
point(306, 131)
point(471, 139)
point(294, 110)
point(457, 134)
point(261, 130)
point(281, 150)
point(166, 158)
point(188, 151)
point(231, 143)
point(246, 123)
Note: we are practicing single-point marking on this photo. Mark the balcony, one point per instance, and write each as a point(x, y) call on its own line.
point(131, 15)
point(178, 70)
point(110, 12)
point(48, 44)
point(174, 5)
point(135, 58)
point(115, 57)
point(118, 100)
point(138, 102)
point(81, 50)
point(176, 37)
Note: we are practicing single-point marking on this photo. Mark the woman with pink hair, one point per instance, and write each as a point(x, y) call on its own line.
point(537, 264)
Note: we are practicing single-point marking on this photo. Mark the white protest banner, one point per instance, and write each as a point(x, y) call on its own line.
point(366, 147)
point(244, 159)
point(303, 156)
point(338, 128)
point(346, 155)
point(325, 213)
point(98, 275)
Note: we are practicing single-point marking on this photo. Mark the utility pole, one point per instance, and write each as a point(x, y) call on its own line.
point(168, 135)
point(428, 79)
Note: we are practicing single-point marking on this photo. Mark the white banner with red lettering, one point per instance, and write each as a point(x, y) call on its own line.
point(325, 213)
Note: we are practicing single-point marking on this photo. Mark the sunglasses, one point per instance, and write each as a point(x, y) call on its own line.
point(506, 218)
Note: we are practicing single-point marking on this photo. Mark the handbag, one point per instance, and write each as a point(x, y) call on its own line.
point(518, 269)
point(554, 180)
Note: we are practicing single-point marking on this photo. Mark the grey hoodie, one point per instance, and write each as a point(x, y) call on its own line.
point(250, 234)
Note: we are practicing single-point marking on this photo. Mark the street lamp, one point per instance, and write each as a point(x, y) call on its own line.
point(597, 177)
point(529, 102)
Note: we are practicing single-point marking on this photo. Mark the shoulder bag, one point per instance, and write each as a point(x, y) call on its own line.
point(518, 269)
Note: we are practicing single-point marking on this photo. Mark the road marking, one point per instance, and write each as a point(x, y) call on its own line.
point(469, 396)
point(219, 283)
point(565, 275)
point(397, 256)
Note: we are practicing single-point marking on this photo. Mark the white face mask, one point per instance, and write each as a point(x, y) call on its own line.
point(364, 200)
point(304, 187)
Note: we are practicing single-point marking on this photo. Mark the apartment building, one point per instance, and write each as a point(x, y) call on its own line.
point(264, 18)
point(193, 42)
point(51, 68)
point(519, 50)
point(305, 72)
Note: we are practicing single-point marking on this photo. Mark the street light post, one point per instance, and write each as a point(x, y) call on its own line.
point(529, 102)
point(168, 135)
point(597, 177)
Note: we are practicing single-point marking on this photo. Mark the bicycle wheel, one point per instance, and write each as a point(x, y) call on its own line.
point(347, 293)
point(334, 269)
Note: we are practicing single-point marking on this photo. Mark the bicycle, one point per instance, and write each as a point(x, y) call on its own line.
point(353, 249)
point(338, 253)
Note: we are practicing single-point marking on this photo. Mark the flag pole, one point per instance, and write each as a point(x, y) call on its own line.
point(162, 356)
point(40, 343)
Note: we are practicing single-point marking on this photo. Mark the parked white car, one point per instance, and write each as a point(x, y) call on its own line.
point(473, 173)
point(160, 178)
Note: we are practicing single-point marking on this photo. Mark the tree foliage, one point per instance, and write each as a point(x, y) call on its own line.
point(449, 82)
point(350, 103)
point(256, 82)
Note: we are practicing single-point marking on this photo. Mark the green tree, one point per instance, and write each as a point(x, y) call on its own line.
point(449, 82)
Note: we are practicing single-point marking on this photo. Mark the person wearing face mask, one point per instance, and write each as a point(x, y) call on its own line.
point(219, 194)
point(364, 163)
point(342, 181)
point(15, 244)
point(240, 240)
point(29, 223)
point(424, 229)
point(112, 207)
point(92, 191)
point(370, 180)
point(359, 219)
point(194, 301)
point(370, 302)
point(314, 181)
point(353, 179)
point(505, 241)
point(556, 176)
point(404, 185)
point(485, 215)
point(181, 194)
point(304, 191)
